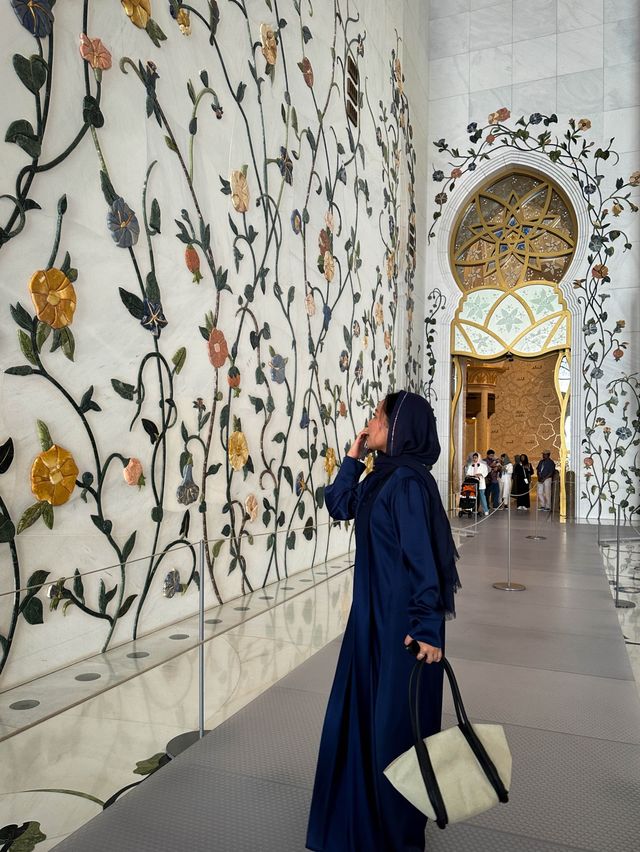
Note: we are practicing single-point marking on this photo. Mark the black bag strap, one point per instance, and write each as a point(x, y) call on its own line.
point(424, 761)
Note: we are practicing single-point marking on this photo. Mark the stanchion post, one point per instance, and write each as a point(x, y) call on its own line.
point(182, 742)
point(620, 604)
point(509, 586)
point(535, 536)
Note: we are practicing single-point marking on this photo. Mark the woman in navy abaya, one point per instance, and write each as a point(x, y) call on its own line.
point(404, 583)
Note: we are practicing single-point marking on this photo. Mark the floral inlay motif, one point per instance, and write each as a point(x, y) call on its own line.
point(53, 475)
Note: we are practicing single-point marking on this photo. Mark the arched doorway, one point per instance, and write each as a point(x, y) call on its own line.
point(511, 245)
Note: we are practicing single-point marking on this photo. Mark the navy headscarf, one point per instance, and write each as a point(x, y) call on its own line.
point(413, 442)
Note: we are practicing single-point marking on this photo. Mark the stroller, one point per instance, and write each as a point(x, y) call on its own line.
point(468, 497)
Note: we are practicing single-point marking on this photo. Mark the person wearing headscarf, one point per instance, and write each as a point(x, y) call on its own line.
point(505, 480)
point(405, 579)
point(522, 473)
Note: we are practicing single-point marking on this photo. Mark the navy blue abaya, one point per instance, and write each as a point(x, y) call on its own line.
point(396, 592)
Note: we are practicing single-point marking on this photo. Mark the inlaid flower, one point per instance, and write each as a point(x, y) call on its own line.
point(329, 266)
point(500, 115)
point(132, 473)
point(620, 324)
point(269, 43)
point(387, 339)
point(441, 198)
point(456, 173)
point(324, 241)
point(600, 270)
point(536, 118)
point(344, 361)
point(471, 167)
point(239, 191)
point(218, 349)
point(192, 261)
point(307, 71)
point(187, 492)
point(588, 462)
point(93, 51)
point(329, 461)
point(365, 341)
point(233, 377)
point(471, 128)
point(53, 297)
point(326, 316)
point(310, 304)
point(183, 21)
point(53, 475)
point(600, 421)
point(617, 209)
point(328, 221)
point(251, 507)
point(390, 264)
point(634, 180)
point(278, 364)
point(304, 419)
point(123, 224)
point(589, 188)
point(356, 328)
point(300, 484)
point(378, 312)
point(342, 408)
point(285, 164)
point(596, 242)
point(438, 175)
point(607, 430)
point(359, 370)
point(491, 138)
point(138, 11)
point(624, 432)
point(584, 124)
point(397, 73)
point(296, 222)
point(618, 353)
point(238, 450)
point(378, 136)
point(171, 584)
point(35, 16)
point(597, 373)
point(153, 318)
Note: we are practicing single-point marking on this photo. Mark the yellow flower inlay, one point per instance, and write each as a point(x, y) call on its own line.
point(330, 461)
point(239, 191)
point(238, 450)
point(139, 11)
point(53, 475)
point(269, 43)
point(53, 296)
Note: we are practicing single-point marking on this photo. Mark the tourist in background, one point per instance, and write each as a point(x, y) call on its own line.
point(546, 470)
point(522, 473)
point(479, 471)
point(493, 480)
point(505, 480)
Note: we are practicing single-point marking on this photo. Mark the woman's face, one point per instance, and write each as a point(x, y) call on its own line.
point(378, 429)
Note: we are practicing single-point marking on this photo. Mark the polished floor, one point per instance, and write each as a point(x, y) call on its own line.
point(549, 662)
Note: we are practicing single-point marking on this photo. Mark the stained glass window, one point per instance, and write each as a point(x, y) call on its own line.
point(513, 243)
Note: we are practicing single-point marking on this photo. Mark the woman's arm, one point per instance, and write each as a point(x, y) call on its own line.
point(342, 495)
point(425, 614)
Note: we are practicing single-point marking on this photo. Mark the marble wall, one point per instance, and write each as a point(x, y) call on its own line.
point(211, 266)
point(571, 60)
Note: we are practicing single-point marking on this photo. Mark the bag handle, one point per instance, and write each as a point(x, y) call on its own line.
point(476, 746)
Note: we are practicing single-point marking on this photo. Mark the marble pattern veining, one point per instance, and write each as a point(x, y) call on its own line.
point(528, 26)
point(493, 25)
point(580, 50)
point(449, 76)
point(622, 86)
point(534, 59)
point(573, 14)
point(580, 93)
point(449, 36)
point(490, 68)
point(621, 40)
point(535, 96)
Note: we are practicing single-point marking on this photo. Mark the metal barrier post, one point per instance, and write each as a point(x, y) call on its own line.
point(509, 586)
point(620, 604)
point(535, 536)
point(182, 742)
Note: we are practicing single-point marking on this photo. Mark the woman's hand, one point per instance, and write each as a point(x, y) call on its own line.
point(428, 653)
point(356, 449)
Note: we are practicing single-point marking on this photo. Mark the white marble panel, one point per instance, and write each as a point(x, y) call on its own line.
point(481, 104)
point(573, 14)
point(580, 92)
point(535, 96)
point(534, 59)
point(580, 50)
point(491, 26)
point(621, 41)
point(475, 5)
point(622, 86)
point(490, 68)
point(528, 24)
point(615, 10)
point(449, 76)
point(443, 8)
point(624, 126)
point(448, 36)
point(449, 117)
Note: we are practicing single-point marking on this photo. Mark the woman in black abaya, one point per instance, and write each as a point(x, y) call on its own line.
point(404, 583)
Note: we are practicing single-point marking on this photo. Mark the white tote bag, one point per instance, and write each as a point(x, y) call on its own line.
point(457, 773)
